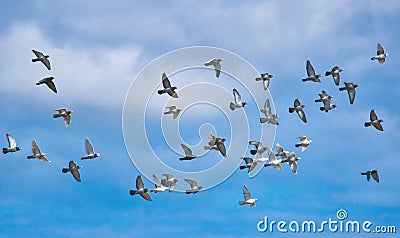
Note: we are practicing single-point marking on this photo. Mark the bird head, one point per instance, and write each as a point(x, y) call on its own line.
point(244, 103)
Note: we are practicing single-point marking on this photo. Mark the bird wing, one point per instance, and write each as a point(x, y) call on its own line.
point(221, 148)
point(88, 146)
point(327, 104)
point(187, 150)
point(246, 193)
point(378, 126)
point(302, 138)
point(139, 182)
point(37, 53)
point(165, 81)
point(380, 49)
point(267, 108)
point(374, 174)
point(67, 119)
point(169, 176)
point(46, 63)
point(372, 115)
point(212, 140)
point(217, 67)
point(61, 110)
point(266, 83)
point(51, 85)
point(302, 115)
point(310, 69)
point(157, 181)
point(248, 160)
point(352, 95)
point(296, 103)
point(77, 176)
point(272, 157)
point(35, 148)
point(171, 108)
point(11, 141)
point(236, 96)
point(192, 183)
point(146, 196)
point(336, 78)
point(293, 167)
point(279, 148)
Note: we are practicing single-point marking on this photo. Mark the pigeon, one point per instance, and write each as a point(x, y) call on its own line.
point(281, 152)
point(188, 153)
point(260, 159)
point(238, 101)
point(193, 184)
point(12, 145)
point(273, 161)
point(74, 169)
point(64, 113)
point(36, 153)
point(326, 99)
point(173, 110)
point(266, 78)
point(299, 109)
point(140, 189)
point(335, 72)
point(259, 147)
point(248, 161)
point(167, 87)
point(218, 143)
point(269, 117)
point(216, 63)
point(374, 121)
point(247, 198)
point(42, 58)
point(373, 173)
point(292, 160)
point(380, 54)
point(351, 90)
point(169, 181)
point(49, 82)
point(311, 74)
point(89, 150)
point(304, 142)
point(159, 186)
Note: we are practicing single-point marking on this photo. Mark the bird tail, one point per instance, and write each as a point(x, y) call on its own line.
point(253, 152)
point(323, 109)
point(184, 158)
point(65, 170)
point(5, 151)
point(318, 100)
point(243, 167)
point(304, 80)
point(291, 109)
point(373, 58)
point(207, 64)
point(132, 192)
point(327, 73)
point(232, 106)
point(263, 120)
point(160, 91)
point(297, 145)
point(83, 158)
point(241, 203)
point(30, 157)
point(258, 79)
point(34, 60)
point(188, 192)
point(363, 173)
point(341, 89)
point(56, 115)
point(367, 124)
point(207, 147)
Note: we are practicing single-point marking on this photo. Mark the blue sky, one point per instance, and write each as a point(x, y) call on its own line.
point(97, 49)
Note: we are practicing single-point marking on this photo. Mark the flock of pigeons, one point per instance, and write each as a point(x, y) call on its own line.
point(60, 113)
point(217, 143)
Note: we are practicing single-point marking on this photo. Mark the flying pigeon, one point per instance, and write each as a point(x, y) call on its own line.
point(64, 113)
point(273, 161)
point(140, 189)
point(42, 58)
point(327, 109)
point(299, 109)
point(281, 152)
point(326, 99)
point(248, 161)
point(269, 117)
point(167, 87)
point(193, 184)
point(74, 169)
point(238, 101)
point(49, 82)
point(173, 110)
point(351, 90)
point(89, 150)
point(169, 181)
point(373, 173)
point(36, 153)
point(304, 142)
point(188, 153)
point(259, 148)
point(311, 74)
point(374, 121)
point(266, 78)
point(12, 145)
point(260, 159)
point(335, 72)
point(159, 186)
point(216, 63)
point(292, 160)
point(247, 198)
point(218, 143)
point(380, 54)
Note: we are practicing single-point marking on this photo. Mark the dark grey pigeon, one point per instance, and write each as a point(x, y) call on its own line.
point(380, 54)
point(373, 173)
point(12, 145)
point(248, 161)
point(167, 87)
point(298, 108)
point(140, 189)
point(42, 58)
point(74, 169)
point(188, 153)
point(326, 99)
point(49, 82)
point(238, 101)
point(335, 72)
point(351, 90)
point(374, 121)
point(266, 78)
point(311, 74)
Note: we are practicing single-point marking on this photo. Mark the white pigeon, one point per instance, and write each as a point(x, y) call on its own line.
point(188, 153)
point(195, 188)
point(374, 121)
point(298, 108)
point(304, 142)
point(292, 160)
point(64, 113)
point(173, 110)
point(42, 58)
point(216, 63)
point(247, 198)
point(89, 150)
point(311, 74)
point(351, 90)
point(335, 72)
point(273, 161)
point(238, 101)
point(269, 117)
point(266, 78)
point(167, 87)
point(380, 54)
point(140, 189)
point(74, 170)
point(12, 145)
point(169, 181)
point(159, 186)
point(260, 159)
point(37, 154)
